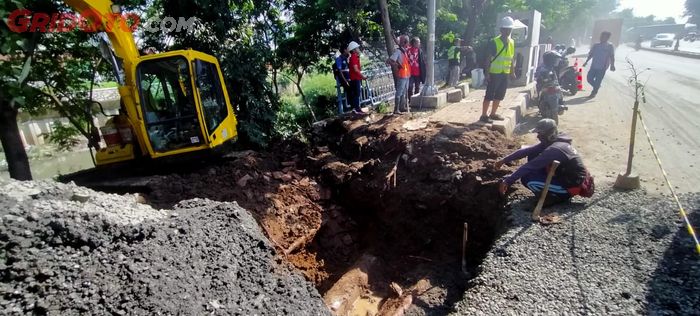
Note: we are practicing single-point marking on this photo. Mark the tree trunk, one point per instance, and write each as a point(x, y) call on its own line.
point(17, 160)
point(466, 8)
point(388, 34)
point(477, 7)
point(300, 75)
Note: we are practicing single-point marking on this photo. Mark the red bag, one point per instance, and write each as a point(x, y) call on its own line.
point(586, 189)
point(588, 186)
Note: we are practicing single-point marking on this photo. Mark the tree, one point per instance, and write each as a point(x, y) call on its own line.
point(692, 11)
point(238, 33)
point(43, 71)
point(386, 22)
point(476, 9)
point(18, 50)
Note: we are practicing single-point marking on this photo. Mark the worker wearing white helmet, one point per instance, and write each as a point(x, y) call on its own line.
point(500, 66)
point(356, 77)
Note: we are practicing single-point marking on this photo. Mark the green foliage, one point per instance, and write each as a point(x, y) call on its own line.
point(448, 37)
point(291, 121)
point(240, 34)
point(65, 137)
point(321, 93)
point(383, 108)
point(48, 72)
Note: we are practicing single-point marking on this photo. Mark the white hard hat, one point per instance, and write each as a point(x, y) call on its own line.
point(352, 46)
point(507, 23)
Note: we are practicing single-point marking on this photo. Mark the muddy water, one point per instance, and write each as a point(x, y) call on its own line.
point(58, 164)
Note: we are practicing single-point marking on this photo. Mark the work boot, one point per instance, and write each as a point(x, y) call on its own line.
point(496, 117)
point(485, 119)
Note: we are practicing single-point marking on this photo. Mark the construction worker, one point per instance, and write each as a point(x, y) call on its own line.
point(356, 77)
point(501, 66)
point(454, 57)
point(571, 177)
point(402, 74)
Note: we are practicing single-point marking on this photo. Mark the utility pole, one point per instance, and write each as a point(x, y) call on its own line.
point(429, 87)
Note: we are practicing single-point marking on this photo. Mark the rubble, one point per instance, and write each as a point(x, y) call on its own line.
point(109, 254)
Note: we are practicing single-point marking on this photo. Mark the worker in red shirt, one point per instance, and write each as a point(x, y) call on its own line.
point(356, 77)
point(415, 58)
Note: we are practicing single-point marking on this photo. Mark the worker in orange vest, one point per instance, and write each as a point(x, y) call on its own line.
point(402, 73)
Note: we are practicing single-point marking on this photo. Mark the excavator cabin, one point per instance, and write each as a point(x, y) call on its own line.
point(171, 103)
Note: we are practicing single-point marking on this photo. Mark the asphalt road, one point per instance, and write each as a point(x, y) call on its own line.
point(686, 46)
point(601, 126)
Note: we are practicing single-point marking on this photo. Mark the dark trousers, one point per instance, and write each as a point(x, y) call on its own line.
point(413, 86)
point(355, 92)
point(595, 78)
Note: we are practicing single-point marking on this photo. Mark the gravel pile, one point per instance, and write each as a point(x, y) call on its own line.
point(70, 250)
point(617, 253)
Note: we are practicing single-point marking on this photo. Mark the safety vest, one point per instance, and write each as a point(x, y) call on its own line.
point(453, 53)
point(404, 69)
point(502, 63)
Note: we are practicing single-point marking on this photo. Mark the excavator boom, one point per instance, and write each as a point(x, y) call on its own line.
point(171, 103)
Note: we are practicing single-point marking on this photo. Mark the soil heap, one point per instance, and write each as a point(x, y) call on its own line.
point(71, 250)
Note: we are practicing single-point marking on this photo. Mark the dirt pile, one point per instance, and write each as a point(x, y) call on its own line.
point(285, 199)
point(70, 250)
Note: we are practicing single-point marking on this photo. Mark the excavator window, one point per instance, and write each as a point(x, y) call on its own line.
point(211, 94)
point(165, 89)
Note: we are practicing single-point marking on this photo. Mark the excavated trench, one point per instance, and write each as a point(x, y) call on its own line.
point(407, 188)
point(372, 213)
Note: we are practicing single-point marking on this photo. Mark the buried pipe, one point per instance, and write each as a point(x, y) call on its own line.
point(464, 248)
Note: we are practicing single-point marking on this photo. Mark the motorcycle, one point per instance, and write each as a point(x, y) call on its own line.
point(550, 98)
point(568, 76)
point(638, 44)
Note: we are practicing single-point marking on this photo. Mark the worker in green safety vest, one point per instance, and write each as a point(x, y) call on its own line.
point(501, 66)
point(453, 58)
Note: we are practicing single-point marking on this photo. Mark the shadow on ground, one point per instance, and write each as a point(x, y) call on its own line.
point(578, 100)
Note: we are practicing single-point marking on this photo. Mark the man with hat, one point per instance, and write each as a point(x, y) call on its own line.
point(500, 65)
point(356, 77)
point(571, 177)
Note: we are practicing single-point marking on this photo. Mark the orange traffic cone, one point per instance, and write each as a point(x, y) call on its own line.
point(580, 79)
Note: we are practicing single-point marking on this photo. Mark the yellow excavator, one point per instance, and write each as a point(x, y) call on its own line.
point(172, 103)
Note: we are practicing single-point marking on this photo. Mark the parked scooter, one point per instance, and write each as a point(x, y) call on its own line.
point(550, 99)
point(568, 78)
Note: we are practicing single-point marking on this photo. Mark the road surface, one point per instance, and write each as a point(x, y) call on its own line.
point(686, 46)
point(601, 126)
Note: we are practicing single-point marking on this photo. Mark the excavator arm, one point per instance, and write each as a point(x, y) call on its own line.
point(174, 102)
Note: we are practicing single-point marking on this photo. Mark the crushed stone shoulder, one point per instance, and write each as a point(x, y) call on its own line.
point(70, 250)
point(618, 253)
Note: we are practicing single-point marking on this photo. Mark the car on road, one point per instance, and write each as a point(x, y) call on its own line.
point(663, 39)
point(691, 36)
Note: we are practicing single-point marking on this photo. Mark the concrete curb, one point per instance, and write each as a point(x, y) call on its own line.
point(671, 52)
point(512, 113)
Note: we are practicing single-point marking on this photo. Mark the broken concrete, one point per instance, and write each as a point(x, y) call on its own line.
point(454, 95)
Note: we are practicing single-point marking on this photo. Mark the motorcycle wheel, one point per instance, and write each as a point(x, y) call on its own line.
point(568, 82)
